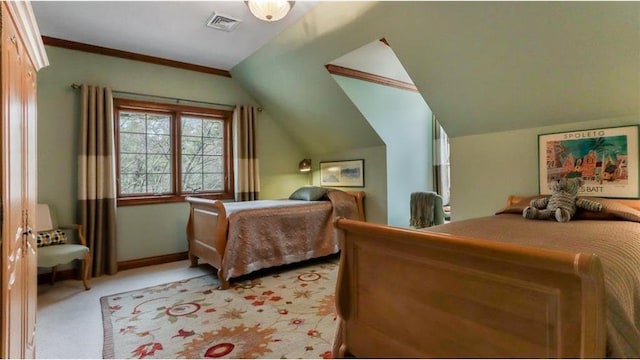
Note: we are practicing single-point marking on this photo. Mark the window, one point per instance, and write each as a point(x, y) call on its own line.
point(166, 152)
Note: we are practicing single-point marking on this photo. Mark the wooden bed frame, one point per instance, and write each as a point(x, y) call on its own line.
point(404, 293)
point(207, 231)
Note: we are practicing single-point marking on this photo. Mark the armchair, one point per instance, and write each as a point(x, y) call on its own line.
point(53, 246)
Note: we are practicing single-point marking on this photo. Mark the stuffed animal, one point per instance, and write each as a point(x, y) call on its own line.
point(562, 203)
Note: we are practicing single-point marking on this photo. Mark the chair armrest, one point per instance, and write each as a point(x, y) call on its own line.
point(78, 227)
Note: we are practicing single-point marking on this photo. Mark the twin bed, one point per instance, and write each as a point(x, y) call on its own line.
point(500, 286)
point(238, 238)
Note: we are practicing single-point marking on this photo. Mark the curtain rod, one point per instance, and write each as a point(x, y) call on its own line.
point(77, 86)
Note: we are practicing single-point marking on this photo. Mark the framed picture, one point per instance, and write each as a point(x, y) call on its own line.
point(346, 173)
point(606, 160)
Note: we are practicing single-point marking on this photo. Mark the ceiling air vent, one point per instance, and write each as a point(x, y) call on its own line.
point(223, 22)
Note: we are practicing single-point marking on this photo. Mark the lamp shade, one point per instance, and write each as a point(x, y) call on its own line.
point(305, 165)
point(269, 10)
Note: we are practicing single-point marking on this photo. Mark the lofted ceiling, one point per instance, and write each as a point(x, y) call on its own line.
point(481, 66)
point(174, 30)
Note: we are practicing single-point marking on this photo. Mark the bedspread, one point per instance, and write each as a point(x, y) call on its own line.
point(270, 233)
point(616, 242)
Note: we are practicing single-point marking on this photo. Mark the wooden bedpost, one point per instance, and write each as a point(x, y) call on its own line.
point(207, 234)
point(359, 196)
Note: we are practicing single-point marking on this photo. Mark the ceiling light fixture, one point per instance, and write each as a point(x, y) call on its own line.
point(270, 10)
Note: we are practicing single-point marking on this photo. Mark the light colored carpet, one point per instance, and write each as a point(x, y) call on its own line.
point(69, 320)
point(288, 313)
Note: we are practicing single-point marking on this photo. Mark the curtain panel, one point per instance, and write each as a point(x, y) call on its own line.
point(97, 178)
point(247, 169)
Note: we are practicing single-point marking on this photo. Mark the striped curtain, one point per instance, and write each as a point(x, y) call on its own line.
point(97, 178)
point(441, 180)
point(247, 170)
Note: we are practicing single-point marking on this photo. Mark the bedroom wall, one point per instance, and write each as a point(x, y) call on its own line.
point(403, 121)
point(486, 169)
point(375, 178)
point(146, 230)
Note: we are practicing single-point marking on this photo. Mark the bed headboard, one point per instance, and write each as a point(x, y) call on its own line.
point(359, 196)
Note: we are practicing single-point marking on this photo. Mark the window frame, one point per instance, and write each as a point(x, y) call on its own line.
point(176, 112)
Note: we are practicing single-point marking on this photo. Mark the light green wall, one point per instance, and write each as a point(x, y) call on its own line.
point(403, 121)
point(486, 169)
point(375, 178)
point(288, 74)
point(279, 159)
point(147, 230)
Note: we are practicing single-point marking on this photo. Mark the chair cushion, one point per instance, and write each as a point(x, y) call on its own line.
point(53, 237)
point(50, 256)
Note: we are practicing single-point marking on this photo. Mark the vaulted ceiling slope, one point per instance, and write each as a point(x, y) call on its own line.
point(481, 66)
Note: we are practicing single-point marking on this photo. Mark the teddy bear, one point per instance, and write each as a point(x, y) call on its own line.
point(562, 203)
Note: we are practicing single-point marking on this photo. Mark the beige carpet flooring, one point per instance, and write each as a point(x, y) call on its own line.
point(69, 319)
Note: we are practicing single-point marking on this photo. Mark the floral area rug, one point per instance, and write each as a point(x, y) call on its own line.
point(284, 314)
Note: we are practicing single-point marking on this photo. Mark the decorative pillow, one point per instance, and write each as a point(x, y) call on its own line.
point(582, 214)
point(518, 208)
point(611, 210)
point(308, 193)
point(53, 237)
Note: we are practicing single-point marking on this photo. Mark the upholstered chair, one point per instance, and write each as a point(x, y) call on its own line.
point(54, 246)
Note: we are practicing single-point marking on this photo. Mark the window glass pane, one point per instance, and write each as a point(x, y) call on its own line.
point(159, 124)
point(191, 182)
point(133, 183)
point(133, 164)
point(191, 145)
point(148, 164)
point(213, 128)
point(132, 143)
point(159, 164)
point(159, 144)
point(191, 164)
point(159, 183)
point(132, 122)
point(191, 126)
point(212, 164)
point(212, 146)
point(213, 182)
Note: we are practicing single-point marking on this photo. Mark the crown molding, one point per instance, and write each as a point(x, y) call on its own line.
point(73, 45)
point(365, 76)
point(22, 14)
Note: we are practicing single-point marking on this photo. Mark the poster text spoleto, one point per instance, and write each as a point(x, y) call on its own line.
point(606, 160)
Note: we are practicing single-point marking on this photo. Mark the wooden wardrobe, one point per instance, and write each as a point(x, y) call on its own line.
point(22, 55)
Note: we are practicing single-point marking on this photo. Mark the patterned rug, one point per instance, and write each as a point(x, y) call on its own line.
point(284, 314)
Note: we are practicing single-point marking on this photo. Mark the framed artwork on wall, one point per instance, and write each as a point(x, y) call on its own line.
point(344, 173)
point(606, 159)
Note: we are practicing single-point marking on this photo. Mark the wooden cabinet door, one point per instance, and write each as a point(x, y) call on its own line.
point(14, 193)
point(30, 256)
point(22, 54)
